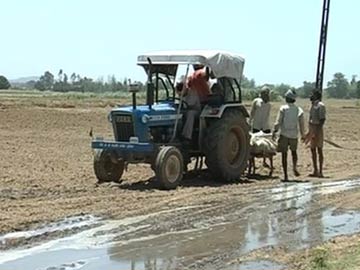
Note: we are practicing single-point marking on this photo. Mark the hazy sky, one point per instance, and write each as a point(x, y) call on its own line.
point(278, 38)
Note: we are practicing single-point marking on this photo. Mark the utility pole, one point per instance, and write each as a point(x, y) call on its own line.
point(322, 46)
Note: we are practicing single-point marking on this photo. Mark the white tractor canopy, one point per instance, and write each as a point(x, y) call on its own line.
point(222, 64)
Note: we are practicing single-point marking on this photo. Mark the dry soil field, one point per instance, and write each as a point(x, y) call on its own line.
point(46, 175)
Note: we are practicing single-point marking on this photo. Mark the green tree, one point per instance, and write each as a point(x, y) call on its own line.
point(353, 79)
point(60, 75)
point(113, 86)
point(63, 84)
point(73, 78)
point(4, 83)
point(338, 87)
point(282, 88)
point(358, 89)
point(353, 87)
point(46, 82)
point(125, 82)
point(39, 85)
point(305, 90)
point(248, 84)
point(65, 79)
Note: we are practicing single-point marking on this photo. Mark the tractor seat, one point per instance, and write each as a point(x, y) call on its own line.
point(215, 100)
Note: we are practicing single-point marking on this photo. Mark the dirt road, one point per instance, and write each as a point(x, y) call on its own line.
point(46, 175)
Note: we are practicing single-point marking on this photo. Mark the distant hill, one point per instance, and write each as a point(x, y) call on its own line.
point(23, 80)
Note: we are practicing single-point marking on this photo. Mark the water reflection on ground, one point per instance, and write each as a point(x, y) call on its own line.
point(202, 236)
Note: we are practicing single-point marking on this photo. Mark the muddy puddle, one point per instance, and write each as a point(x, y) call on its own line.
point(63, 225)
point(206, 236)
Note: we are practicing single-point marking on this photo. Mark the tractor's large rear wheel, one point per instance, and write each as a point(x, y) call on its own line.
point(106, 168)
point(226, 146)
point(169, 167)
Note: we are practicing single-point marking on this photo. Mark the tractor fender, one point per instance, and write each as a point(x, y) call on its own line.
point(213, 113)
point(217, 112)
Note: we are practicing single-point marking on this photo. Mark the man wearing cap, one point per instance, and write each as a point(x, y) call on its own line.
point(260, 114)
point(289, 120)
point(316, 133)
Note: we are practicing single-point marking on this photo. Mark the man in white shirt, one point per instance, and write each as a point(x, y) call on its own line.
point(289, 120)
point(260, 114)
point(193, 110)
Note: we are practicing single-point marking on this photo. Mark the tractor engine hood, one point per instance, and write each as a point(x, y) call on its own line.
point(160, 107)
point(161, 113)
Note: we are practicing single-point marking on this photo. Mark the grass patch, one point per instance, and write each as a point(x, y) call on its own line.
point(349, 261)
point(323, 258)
point(319, 258)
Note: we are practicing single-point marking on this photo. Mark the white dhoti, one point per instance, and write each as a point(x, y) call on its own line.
point(193, 102)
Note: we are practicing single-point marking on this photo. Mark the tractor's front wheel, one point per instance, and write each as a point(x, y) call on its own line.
point(105, 168)
point(169, 167)
point(227, 146)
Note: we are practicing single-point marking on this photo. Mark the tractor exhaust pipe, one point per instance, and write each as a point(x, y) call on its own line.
point(150, 86)
point(133, 89)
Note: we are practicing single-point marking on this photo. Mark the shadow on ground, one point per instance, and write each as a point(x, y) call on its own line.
point(193, 179)
point(260, 177)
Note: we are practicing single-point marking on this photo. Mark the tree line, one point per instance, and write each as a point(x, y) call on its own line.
point(76, 83)
point(338, 87)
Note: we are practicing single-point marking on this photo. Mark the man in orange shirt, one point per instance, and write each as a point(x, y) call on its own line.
point(196, 92)
point(199, 81)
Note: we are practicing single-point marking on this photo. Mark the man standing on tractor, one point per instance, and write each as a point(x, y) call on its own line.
point(195, 92)
point(289, 120)
point(193, 108)
point(316, 133)
point(199, 81)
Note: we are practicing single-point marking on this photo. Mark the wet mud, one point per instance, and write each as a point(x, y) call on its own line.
point(204, 236)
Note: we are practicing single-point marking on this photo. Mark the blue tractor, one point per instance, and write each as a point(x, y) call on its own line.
point(150, 133)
